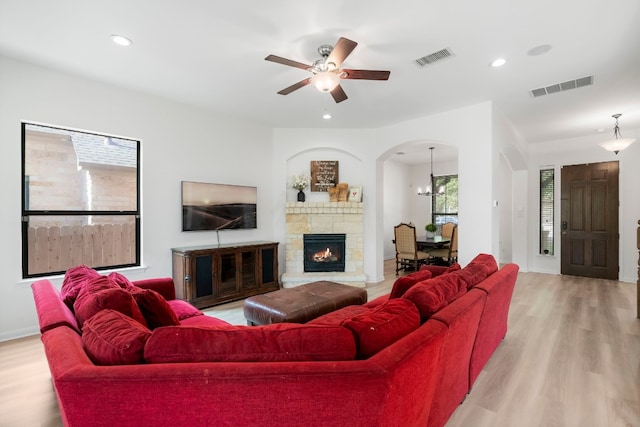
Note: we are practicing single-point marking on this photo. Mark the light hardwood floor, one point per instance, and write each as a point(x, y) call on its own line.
point(571, 358)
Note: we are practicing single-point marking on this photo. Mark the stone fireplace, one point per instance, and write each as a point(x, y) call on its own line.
point(323, 252)
point(325, 220)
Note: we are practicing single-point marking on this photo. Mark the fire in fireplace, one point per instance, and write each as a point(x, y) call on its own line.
point(324, 252)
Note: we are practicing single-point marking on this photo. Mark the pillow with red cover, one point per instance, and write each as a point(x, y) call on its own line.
point(112, 338)
point(120, 280)
point(481, 267)
point(404, 283)
point(100, 293)
point(438, 270)
point(269, 343)
point(430, 296)
point(74, 280)
point(383, 325)
point(183, 310)
point(155, 309)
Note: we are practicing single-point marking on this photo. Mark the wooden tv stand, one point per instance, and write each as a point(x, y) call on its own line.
point(213, 274)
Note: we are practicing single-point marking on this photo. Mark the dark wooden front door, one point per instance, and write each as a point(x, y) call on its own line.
point(589, 220)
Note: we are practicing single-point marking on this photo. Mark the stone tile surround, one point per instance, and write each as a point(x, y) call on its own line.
point(324, 217)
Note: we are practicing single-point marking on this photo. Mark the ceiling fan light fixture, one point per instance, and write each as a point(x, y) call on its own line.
point(325, 81)
point(618, 143)
point(121, 40)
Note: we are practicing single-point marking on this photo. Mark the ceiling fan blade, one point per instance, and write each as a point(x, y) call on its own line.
point(301, 83)
point(285, 61)
point(341, 50)
point(366, 74)
point(338, 94)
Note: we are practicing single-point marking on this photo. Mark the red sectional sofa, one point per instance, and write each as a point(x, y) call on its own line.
point(404, 359)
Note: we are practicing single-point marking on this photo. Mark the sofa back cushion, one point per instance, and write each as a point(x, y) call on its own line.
point(430, 296)
point(269, 343)
point(100, 293)
point(383, 325)
point(404, 283)
point(481, 267)
point(112, 338)
point(74, 280)
point(438, 270)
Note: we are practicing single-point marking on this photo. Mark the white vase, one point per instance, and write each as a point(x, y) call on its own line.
point(431, 234)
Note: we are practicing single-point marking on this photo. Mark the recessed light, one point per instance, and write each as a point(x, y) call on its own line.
point(121, 40)
point(539, 50)
point(498, 62)
point(326, 115)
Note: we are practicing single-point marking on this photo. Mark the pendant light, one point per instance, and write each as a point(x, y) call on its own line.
point(429, 189)
point(619, 143)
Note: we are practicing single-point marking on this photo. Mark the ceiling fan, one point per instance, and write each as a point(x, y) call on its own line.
point(327, 72)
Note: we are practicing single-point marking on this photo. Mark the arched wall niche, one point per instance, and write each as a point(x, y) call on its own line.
point(349, 169)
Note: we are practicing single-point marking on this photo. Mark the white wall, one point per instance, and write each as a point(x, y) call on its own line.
point(579, 151)
point(397, 190)
point(178, 143)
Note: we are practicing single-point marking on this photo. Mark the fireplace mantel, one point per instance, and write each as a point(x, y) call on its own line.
point(324, 217)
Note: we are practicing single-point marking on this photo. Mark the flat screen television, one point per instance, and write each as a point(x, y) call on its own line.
point(208, 206)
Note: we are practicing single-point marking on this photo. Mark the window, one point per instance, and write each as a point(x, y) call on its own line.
point(80, 200)
point(444, 200)
point(546, 211)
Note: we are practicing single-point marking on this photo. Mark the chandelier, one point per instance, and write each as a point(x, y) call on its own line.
point(429, 188)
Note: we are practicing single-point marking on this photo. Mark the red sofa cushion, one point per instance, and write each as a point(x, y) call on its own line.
point(269, 343)
point(74, 280)
point(430, 296)
point(336, 317)
point(383, 325)
point(120, 280)
point(438, 270)
point(155, 309)
point(112, 338)
point(404, 283)
point(183, 310)
point(100, 293)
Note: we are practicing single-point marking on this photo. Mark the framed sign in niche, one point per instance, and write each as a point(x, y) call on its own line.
point(324, 174)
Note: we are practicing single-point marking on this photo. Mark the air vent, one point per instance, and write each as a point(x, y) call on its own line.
point(560, 87)
point(434, 57)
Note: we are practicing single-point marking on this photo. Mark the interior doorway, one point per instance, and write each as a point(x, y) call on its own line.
point(589, 220)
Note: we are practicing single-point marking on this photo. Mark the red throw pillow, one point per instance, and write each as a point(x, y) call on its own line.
point(270, 343)
point(74, 280)
point(155, 309)
point(99, 294)
point(120, 280)
point(404, 283)
point(488, 261)
point(453, 267)
point(382, 326)
point(472, 275)
point(183, 310)
point(111, 338)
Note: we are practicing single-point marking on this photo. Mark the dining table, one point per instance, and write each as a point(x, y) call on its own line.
point(431, 242)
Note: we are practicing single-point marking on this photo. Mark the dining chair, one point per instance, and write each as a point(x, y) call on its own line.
point(450, 253)
point(407, 253)
point(447, 229)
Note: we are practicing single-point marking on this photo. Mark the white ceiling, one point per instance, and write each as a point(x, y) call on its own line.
point(211, 54)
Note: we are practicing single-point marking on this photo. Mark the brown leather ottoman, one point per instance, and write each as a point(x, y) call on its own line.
point(302, 303)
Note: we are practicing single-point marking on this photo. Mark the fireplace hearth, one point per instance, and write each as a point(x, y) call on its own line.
point(324, 252)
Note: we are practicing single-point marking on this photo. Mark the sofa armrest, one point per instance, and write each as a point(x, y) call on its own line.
point(51, 310)
point(164, 286)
